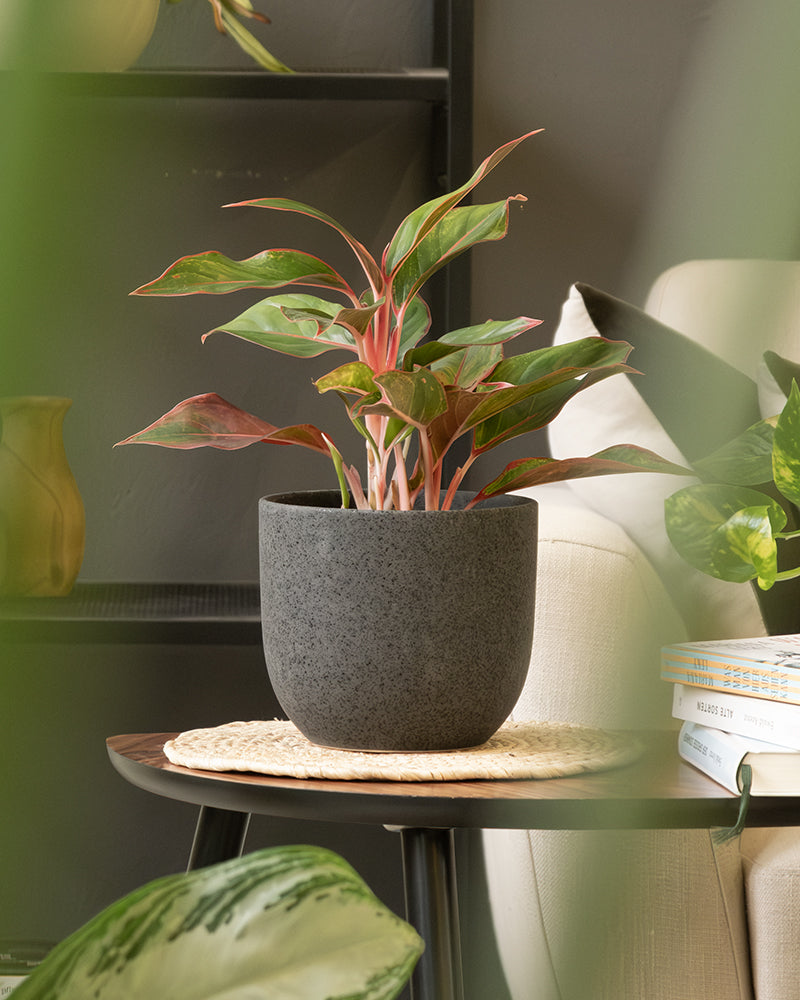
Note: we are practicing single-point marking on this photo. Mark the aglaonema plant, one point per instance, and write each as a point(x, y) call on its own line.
point(409, 398)
point(730, 524)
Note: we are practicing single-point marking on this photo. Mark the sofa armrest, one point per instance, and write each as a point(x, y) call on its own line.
point(771, 861)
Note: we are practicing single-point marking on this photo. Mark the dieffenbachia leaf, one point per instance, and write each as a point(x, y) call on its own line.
point(283, 921)
point(611, 461)
point(744, 461)
point(209, 421)
point(725, 531)
point(420, 222)
point(786, 448)
point(364, 257)
point(300, 325)
point(213, 273)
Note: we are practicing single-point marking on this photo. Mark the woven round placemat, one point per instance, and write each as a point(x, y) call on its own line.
point(517, 750)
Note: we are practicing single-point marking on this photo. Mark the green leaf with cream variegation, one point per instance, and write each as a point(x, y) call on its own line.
point(281, 922)
point(786, 448)
point(726, 531)
point(744, 461)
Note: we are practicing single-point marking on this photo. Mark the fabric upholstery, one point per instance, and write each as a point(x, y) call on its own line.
point(772, 875)
point(587, 916)
point(644, 915)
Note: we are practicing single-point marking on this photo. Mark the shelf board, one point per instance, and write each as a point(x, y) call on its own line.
point(220, 613)
point(428, 84)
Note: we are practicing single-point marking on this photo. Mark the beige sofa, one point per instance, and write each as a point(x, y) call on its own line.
point(650, 915)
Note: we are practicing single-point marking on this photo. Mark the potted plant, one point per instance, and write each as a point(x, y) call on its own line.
point(730, 524)
point(227, 18)
point(405, 623)
point(281, 921)
point(98, 36)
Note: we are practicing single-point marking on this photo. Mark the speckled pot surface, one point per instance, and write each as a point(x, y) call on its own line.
point(397, 630)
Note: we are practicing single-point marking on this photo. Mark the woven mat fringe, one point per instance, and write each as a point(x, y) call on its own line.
point(517, 750)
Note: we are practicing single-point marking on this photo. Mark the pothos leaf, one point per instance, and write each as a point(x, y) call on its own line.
point(725, 531)
point(745, 461)
point(786, 448)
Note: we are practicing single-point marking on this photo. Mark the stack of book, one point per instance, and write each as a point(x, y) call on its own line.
point(739, 702)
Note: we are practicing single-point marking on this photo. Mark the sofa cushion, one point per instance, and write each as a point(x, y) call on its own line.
point(591, 577)
point(683, 403)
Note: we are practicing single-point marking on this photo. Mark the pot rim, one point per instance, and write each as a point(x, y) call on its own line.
point(304, 499)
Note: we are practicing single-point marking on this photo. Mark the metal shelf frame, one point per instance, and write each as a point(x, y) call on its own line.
point(230, 613)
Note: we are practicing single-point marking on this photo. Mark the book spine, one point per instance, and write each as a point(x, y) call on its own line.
point(710, 752)
point(786, 690)
point(758, 718)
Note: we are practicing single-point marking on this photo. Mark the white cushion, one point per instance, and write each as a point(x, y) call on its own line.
point(613, 412)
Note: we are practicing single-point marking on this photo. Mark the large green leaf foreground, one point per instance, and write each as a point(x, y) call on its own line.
point(282, 923)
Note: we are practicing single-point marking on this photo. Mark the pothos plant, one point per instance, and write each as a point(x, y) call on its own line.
point(731, 524)
point(408, 397)
point(227, 18)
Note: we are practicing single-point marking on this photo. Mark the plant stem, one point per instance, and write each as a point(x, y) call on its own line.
point(788, 574)
point(401, 478)
point(456, 481)
point(431, 485)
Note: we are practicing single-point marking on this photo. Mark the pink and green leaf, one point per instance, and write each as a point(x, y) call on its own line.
point(461, 229)
point(364, 257)
point(416, 398)
point(354, 377)
point(514, 411)
point(413, 229)
point(467, 367)
point(209, 421)
point(623, 458)
point(300, 325)
point(492, 332)
point(213, 273)
point(416, 323)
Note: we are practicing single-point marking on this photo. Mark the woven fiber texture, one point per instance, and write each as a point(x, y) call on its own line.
point(517, 750)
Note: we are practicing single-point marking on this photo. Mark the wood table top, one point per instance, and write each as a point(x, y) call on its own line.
point(658, 791)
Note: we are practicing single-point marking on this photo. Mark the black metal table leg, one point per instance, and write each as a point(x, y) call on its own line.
point(218, 836)
point(429, 878)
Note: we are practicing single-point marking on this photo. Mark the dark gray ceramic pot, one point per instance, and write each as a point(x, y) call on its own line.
point(399, 630)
